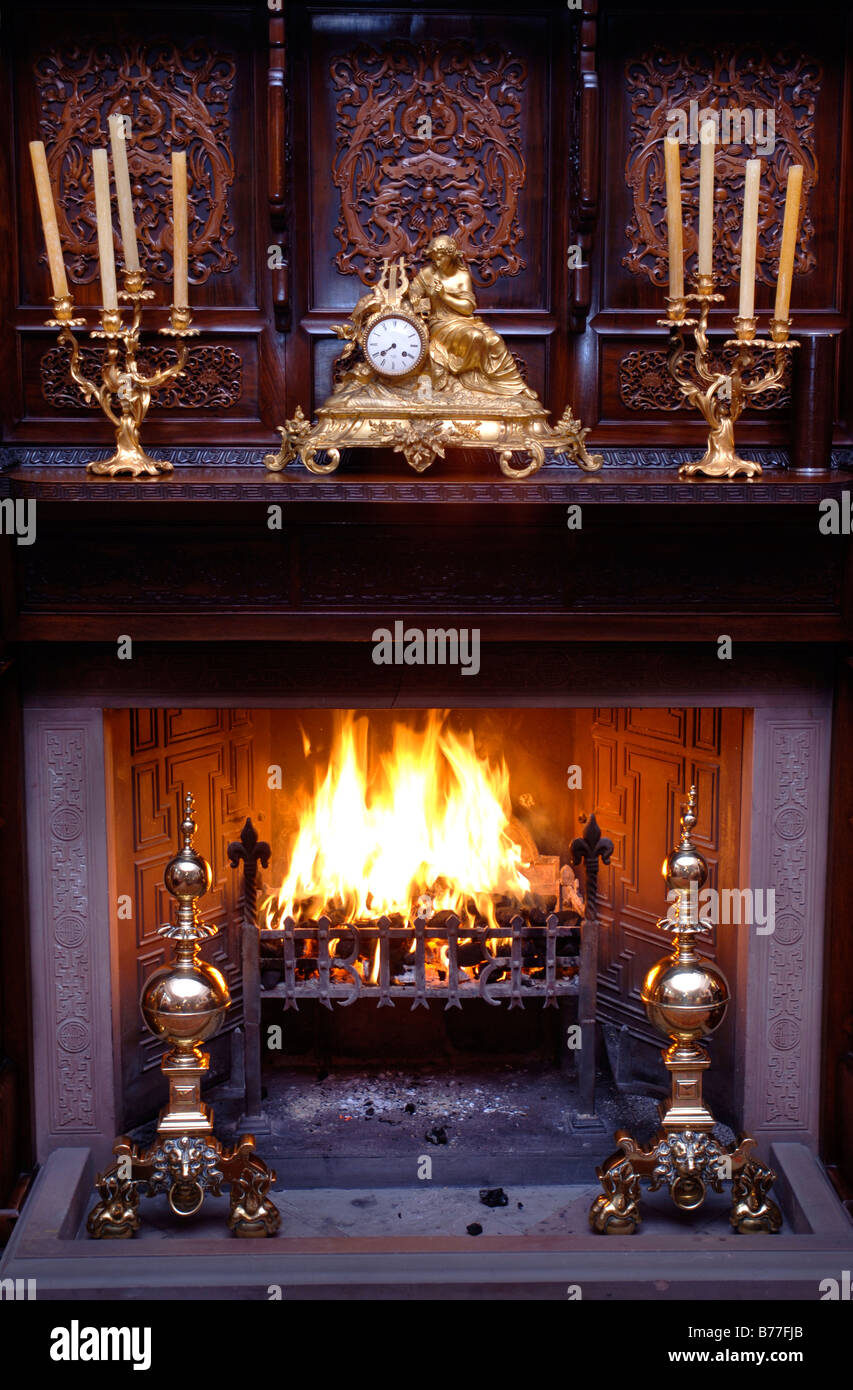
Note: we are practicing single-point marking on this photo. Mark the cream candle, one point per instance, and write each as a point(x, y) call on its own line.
point(672, 161)
point(118, 144)
point(179, 227)
point(749, 238)
point(707, 146)
point(790, 226)
point(48, 219)
point(103, 211)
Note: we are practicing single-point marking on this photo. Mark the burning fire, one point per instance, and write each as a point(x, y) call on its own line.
point(429, 817)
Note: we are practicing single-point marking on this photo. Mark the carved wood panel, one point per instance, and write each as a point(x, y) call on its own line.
point(191, 80)
point(429, 140)
point(175, 97)
point(421, 123)
point(645, 383)
point(778, 93)
point(155, 757)
point(212, 378)
point(657, 76)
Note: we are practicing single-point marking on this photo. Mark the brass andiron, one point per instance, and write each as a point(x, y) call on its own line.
point(185, 1003)
point(124, 393)
point(686, 997)
point(720, 396)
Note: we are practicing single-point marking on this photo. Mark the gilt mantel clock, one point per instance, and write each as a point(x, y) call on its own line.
point(421, 373)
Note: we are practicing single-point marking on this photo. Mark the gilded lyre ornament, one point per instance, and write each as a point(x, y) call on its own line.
point(185, 1004)
point(420, 372)
point(124, 393)
point(686, 997)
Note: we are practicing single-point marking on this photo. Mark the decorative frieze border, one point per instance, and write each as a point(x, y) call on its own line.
point(782, 1033)
point(73, 1057)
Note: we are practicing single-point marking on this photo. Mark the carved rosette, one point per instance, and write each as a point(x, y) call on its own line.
point(645, 382)
point(179, 98)
point(736, 79)
point(429, 140)
point(212, 377)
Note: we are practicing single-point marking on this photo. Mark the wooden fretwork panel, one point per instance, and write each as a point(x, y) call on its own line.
point(156, 756)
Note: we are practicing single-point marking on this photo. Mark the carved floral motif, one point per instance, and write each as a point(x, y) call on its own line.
point(175, 97)
point(731, 78)
point(429, 140)
point(213, 377)
point(645, 382)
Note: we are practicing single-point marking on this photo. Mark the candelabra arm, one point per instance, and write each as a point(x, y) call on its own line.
point(674, 360)
point(157, 379)
point(91, 391)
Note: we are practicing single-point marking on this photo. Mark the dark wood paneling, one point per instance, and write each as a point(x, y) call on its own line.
point(193, 76)
point(643, 760)
point(500, 90)
point(155, 757)
point(653, 61)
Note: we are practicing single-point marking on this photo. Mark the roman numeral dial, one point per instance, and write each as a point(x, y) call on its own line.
point(395, 343)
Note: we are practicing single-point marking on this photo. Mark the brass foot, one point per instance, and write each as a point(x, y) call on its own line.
point(615, 1211)
point(116, 1216)
point(136, 465)
point(687, 1162)
point(752, 1210)
point(185, 1167)
point(252, 1213)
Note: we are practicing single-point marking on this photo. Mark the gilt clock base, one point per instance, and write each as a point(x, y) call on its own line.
point(422, 424)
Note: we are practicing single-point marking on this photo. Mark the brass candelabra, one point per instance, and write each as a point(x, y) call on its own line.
point(720, 395)
point(185, 1003)
point(686, 997)
point(124, 393)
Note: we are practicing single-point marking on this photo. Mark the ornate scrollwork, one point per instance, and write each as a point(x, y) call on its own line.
point(429, 141)
point(738, 79)
point(179, 96)
point(212, 377)
point(645, 382)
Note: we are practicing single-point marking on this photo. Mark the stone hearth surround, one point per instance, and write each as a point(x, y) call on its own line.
point(72, 926)
point(777, 1074)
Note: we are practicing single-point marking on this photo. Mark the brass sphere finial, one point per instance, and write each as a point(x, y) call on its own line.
point(188, 876)
point(188, 825)
point(686, 865)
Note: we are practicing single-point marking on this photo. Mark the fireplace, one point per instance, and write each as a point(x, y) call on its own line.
point(104, 786)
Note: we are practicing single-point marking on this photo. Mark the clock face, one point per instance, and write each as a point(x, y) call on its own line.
point(395, 345)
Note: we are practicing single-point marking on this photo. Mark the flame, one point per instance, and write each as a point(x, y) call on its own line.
point(430, 816)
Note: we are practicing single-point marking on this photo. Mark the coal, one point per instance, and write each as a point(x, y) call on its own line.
point(436, 1135)
point(493, 1197)
point(475, 1229)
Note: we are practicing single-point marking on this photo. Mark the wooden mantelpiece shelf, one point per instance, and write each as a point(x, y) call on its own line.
point(552, 486)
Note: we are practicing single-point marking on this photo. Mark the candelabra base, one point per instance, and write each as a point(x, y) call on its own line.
point(134, 462)
point(688, 1161)
point(185, 1166)
point(719, 459)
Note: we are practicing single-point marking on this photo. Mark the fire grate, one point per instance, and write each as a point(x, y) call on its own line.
point(532, 964)
point(534, 967)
